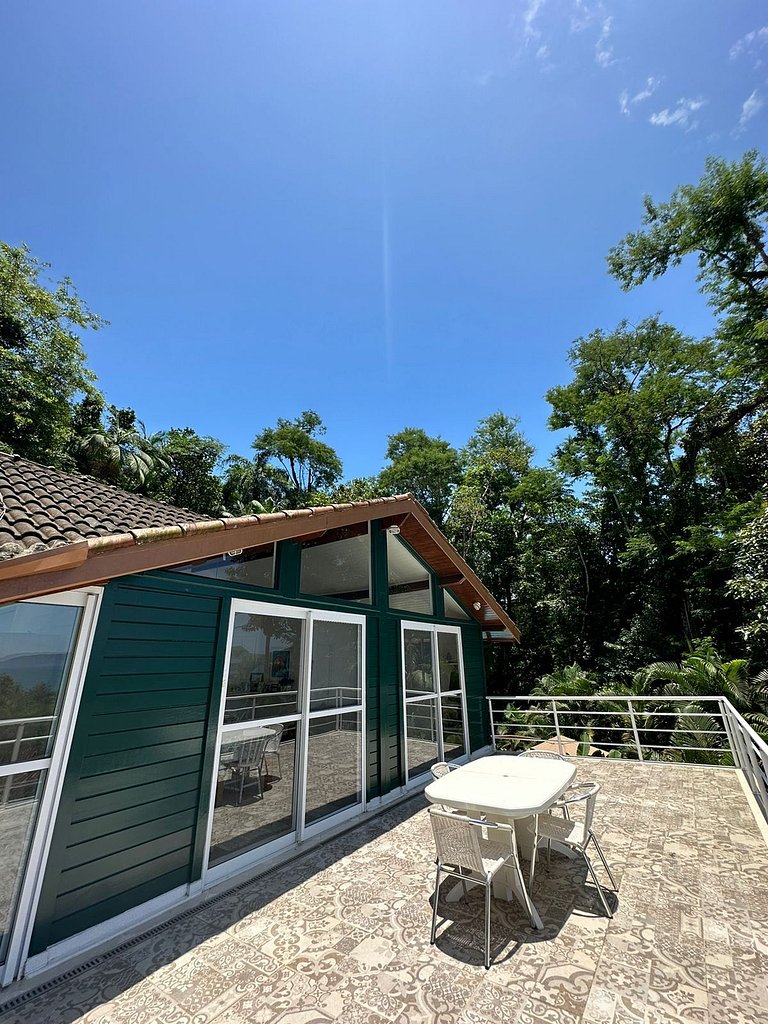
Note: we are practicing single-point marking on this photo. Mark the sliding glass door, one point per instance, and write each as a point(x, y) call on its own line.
point(290, 753)
point(433, 696)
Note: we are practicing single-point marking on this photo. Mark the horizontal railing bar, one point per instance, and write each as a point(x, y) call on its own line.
point(621, 699)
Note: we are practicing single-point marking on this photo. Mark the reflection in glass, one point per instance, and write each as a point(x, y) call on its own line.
point(408, 580)
point(421, 730)
point(448, 653)
point(19, 800)
point(338, 564)
point(254, 566)
point(36, 644)
point(334, 771)
point(335, 677)
point(264, 678)
point(255, 789)
point(419, 676)
point(453, 727)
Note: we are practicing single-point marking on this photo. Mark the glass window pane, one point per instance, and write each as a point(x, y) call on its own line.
point(421, 728)
point(264, 678)
point(19, 800)
point(419, 675)
point(254, 566)
point(448, 653)
point(255, 789)
point(36, 644)
point(334, 771)
point(453, 727)
point(409, 582)
point(338, 565)
point(453, 609)
point(335, 680)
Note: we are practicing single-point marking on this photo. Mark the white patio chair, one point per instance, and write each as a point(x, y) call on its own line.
point(440, 768)
point(473, 851)
point(273, 747)
point(550, 755)
point(575, 834)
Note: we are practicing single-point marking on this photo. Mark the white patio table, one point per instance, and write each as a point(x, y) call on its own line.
point(505, 788)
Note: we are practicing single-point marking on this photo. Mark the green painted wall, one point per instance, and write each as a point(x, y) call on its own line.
point(134, 811)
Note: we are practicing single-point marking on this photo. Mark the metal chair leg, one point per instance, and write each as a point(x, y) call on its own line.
point(487, 923)
point(599, 887)
point(599, 849)
point(434, 907)
point(534, 848)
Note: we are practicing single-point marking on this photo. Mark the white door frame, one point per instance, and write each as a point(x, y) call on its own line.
point(434, 629)
point(213, 874)
point(29, 894)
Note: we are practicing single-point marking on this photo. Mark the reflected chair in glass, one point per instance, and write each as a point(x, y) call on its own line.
point(273, 747)
point(248, 758)
point(473, 851)
point(576, 834)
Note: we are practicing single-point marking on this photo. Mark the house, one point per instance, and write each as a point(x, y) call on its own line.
point(185, 700)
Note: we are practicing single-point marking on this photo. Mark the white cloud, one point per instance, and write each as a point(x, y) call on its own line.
point(542, 53)
point(530, 14)
point(650, 87)
point(752, 40)
point(751, 106)
point(624, 103)
point(603, 49)
point(680, 117)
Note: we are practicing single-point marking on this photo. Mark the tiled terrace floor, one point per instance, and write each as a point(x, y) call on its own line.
point(343, 933)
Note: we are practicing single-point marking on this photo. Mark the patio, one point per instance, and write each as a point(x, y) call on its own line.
point(342, 933)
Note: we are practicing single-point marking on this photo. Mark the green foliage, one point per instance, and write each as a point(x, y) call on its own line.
point(426, 467)
point(42, 363)
point(185, 473)
point(118, 450)
point(306, 468)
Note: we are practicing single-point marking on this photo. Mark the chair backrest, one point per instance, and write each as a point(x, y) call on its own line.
point(439, 769)
point(456, 840)
point(588, 797)
point(273, 742)
point(251, 752)
point(549, 754)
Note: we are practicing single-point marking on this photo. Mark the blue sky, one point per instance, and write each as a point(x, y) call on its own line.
point(394, 213)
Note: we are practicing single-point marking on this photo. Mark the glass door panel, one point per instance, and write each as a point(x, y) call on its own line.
point(452, 715)
point(255, 789)
point(419, 671)
point(448, 655)
point(264, 679)
point(335, 679)
point(334, 769)
point(422, 732)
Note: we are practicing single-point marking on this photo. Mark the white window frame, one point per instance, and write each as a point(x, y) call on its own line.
point(212, 874)
point(434, 629)
point(29, 894)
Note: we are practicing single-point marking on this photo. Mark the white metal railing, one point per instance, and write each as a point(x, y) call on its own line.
point(12, 776)
point(636, 727)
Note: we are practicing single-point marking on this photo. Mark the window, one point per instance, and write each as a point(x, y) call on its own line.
point(453, 609)
point(409, 583)
point(338, 564)
point(254, 567)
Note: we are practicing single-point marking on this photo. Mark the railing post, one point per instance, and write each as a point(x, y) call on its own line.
point(729, 732)
point(493, 724)
point(634, 730)
point(14, 758)
point(557, 729)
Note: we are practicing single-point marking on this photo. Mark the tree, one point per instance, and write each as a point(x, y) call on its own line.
point(662, 488)
point(185, 474)
point(750, 579)
point(118, 450)
point(42, 362)
point(426, 467)
point(722, 221)
point(306, 467)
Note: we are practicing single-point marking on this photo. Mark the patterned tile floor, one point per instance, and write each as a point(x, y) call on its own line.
point(342, 934)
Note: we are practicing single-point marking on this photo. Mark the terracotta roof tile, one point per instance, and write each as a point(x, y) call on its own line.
point(45, 508)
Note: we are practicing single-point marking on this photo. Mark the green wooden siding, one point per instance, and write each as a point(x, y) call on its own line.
point(130, 808)
point(135, 804)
